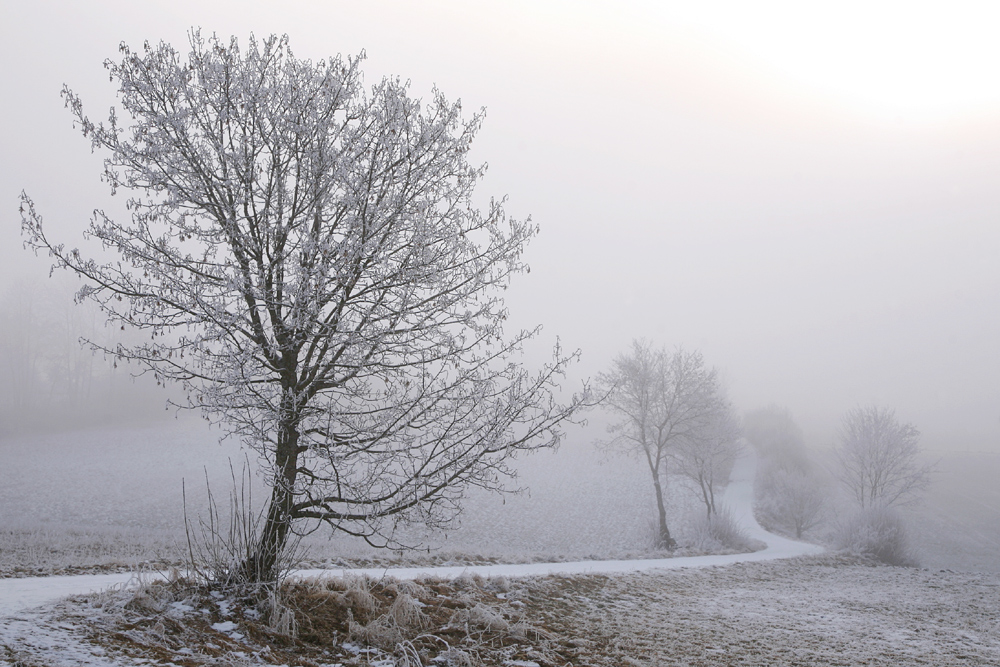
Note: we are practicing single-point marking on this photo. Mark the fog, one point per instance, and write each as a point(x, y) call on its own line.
point(810, 204)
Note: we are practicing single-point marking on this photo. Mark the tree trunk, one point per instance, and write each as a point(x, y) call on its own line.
point(262, 564)
point(706, 496)
point(711, 496)
point(663, 540)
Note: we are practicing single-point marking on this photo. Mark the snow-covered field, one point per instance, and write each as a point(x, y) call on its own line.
point(708, 610)
point(813, 611)
point(97, 497)
point(819, 610)
point(113, 498)
point(19, 594)
point(957, 525)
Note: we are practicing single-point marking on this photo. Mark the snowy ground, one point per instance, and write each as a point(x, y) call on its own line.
point(818, 610)
point(19, 594)
point(109, 499)
point(811, 610)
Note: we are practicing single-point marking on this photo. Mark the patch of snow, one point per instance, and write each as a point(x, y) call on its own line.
point(179, 608)
point(229, 628)
point(225, 606)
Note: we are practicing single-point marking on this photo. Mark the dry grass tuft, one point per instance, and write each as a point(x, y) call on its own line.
point(406, 612)
point(467, 580)
point(411, 588)
point(381, 633)
point(361, 603)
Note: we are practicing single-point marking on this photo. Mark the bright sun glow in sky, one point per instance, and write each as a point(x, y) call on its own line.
point(914, 60)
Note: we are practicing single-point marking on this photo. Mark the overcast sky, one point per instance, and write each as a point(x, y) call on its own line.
point(809, 193)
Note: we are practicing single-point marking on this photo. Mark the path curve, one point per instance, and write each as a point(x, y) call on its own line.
point(17, 595)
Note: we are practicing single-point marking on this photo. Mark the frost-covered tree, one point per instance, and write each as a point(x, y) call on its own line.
point(789, 491)
point(305, 258)
point(878, 458)
point(706, 456)
point(663, 399)
point(791, 498)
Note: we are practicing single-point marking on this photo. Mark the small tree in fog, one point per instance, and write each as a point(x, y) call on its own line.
point(707, 455)
point(663, 399)
point(306, 260)
point(791, 498)
point(878, 458)
point(789, 492)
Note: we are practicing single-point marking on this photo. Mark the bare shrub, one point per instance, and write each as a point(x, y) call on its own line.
point(788, 498)
point(219, 549)
point(879, 533)
point(720, 532)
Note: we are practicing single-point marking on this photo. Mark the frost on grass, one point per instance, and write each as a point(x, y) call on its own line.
point(352, 621)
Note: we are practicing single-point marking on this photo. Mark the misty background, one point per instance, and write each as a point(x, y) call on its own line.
point(807, 196)
point(821, 248)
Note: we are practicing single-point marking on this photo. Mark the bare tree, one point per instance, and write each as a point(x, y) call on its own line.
point(305, 259)
point(707, 455)
point(789, 492)
point(791, 498)
point(663, 398)
point(878, 458)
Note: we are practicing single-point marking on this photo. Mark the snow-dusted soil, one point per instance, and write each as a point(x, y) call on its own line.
point(813, 611)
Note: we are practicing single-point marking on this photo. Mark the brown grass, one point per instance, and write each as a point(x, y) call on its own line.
point(354, 621)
